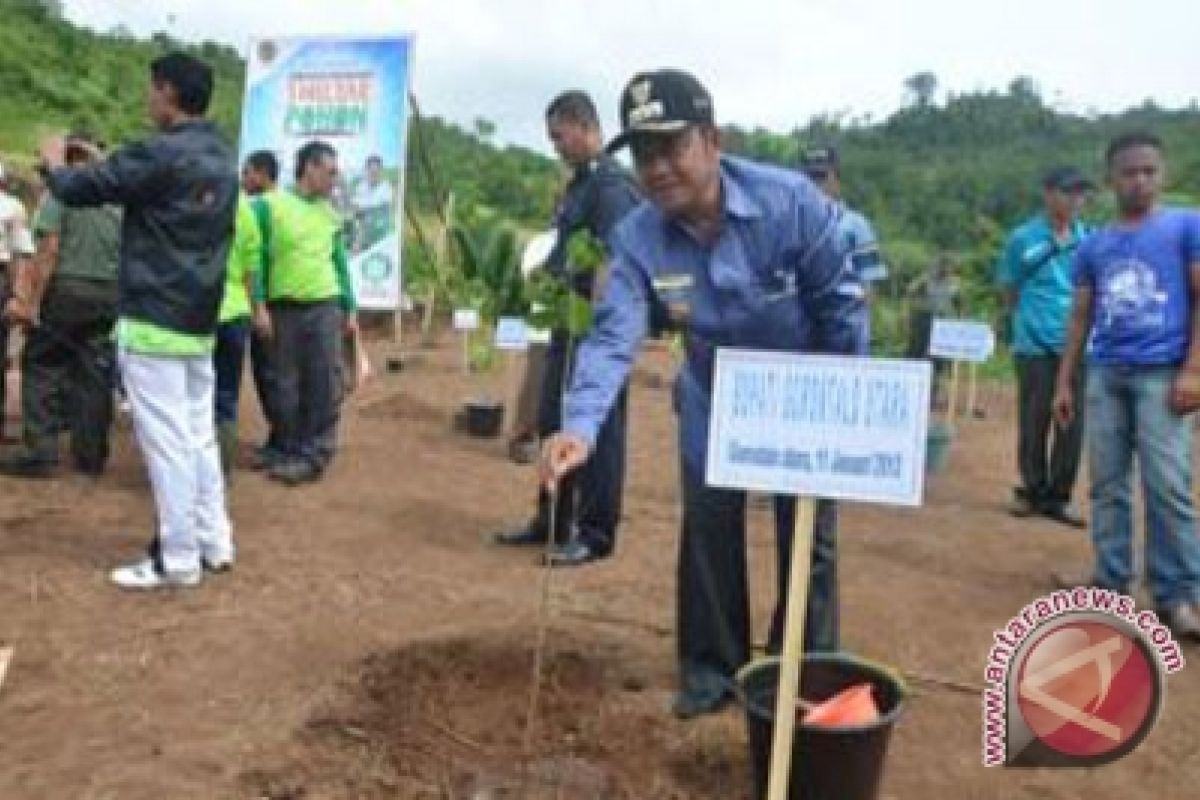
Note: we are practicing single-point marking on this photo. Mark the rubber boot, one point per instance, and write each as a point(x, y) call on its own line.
point(227, 444)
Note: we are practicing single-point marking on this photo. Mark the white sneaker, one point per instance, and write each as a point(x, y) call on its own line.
point(146, 575)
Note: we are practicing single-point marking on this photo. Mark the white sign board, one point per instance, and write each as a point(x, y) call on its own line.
point(537, 335)
point(511, 334)
point(822, 426)
point(466, 319)
point(961, 340)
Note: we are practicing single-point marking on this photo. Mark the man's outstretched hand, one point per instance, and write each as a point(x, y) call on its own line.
point(53, 152)
point(561, 454)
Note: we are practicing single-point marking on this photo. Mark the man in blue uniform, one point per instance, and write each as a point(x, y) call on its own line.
point(823, 167)
point(598, 196)
point(735, 255)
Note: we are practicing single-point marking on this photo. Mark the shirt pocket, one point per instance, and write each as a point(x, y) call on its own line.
point(676, 290)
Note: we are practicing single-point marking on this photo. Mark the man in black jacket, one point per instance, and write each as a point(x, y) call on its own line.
point(179, 191)
point(598, 196)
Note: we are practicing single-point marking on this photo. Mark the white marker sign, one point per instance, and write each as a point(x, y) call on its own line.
point(466, 319)
point(537, 335)
point(511, 334)
point(961, 340)
point(821, 426)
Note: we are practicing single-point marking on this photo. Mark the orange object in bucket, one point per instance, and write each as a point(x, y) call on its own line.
point(851, 706)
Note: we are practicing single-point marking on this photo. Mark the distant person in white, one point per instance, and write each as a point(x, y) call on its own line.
point(16, 244)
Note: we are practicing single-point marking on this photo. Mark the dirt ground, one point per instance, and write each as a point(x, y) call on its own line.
point(371, 643)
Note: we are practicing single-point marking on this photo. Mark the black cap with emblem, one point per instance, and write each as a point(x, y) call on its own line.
point(818, 162)
point(660, 102)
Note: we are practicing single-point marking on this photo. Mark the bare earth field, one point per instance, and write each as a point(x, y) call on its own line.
point(372, 644)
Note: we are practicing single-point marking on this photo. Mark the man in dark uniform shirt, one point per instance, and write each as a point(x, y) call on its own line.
point(598, 196)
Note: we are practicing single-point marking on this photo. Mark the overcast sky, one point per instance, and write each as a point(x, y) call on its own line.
point(774, 63)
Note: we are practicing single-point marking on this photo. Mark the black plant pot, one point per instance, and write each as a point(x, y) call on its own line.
point(483, 418)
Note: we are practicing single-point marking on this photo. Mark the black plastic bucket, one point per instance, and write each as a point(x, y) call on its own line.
point(484, 418)
point(842, 763)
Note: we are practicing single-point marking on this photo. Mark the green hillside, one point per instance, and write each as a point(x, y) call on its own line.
point(55, 75)
point(935, 177)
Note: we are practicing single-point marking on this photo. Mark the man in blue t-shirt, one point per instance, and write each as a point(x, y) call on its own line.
point(1137, 284)
point(1035, 272)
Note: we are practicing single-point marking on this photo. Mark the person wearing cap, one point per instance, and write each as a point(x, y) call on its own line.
point(599, 194)
point(733, 254)
point(823, 167)
point(66, 298)
point(1034, 271)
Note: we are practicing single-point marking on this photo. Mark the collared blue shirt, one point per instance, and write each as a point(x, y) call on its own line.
point(599, 195)
point(1038, 267)
point(778, 277)
point(863, 245)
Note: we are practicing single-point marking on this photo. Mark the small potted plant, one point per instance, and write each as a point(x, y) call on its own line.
point(488, 281)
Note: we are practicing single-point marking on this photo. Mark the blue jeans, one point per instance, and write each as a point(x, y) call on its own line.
point(1127, 413)
point(228, 360)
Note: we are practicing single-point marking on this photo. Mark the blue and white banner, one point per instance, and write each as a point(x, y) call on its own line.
point(352, 94)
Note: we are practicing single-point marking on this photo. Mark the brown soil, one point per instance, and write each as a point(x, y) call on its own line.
point(372, 644)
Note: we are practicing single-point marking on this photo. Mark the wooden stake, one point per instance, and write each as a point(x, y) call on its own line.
point(398, 323)
point(514, 377)
point(440, 268)
point(793, 651)
point(972, 389)
point(6, 654)
point(952, 399)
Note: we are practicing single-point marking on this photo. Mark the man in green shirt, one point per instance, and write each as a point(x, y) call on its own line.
point(234, 329)
point(309, 305)
point(67, 299)
point(260, 174)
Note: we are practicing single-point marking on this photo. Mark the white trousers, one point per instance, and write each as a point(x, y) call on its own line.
point(171, 400)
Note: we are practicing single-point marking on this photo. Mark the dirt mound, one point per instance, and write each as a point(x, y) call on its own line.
point(448, 718)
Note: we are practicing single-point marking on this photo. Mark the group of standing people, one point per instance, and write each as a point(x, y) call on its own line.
point(157, 249)
point(721, 252)
point(155, 261)
point(692, 257)
point(1125, 298)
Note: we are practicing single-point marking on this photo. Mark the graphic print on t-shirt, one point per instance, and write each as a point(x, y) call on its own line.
point(1131, 298)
